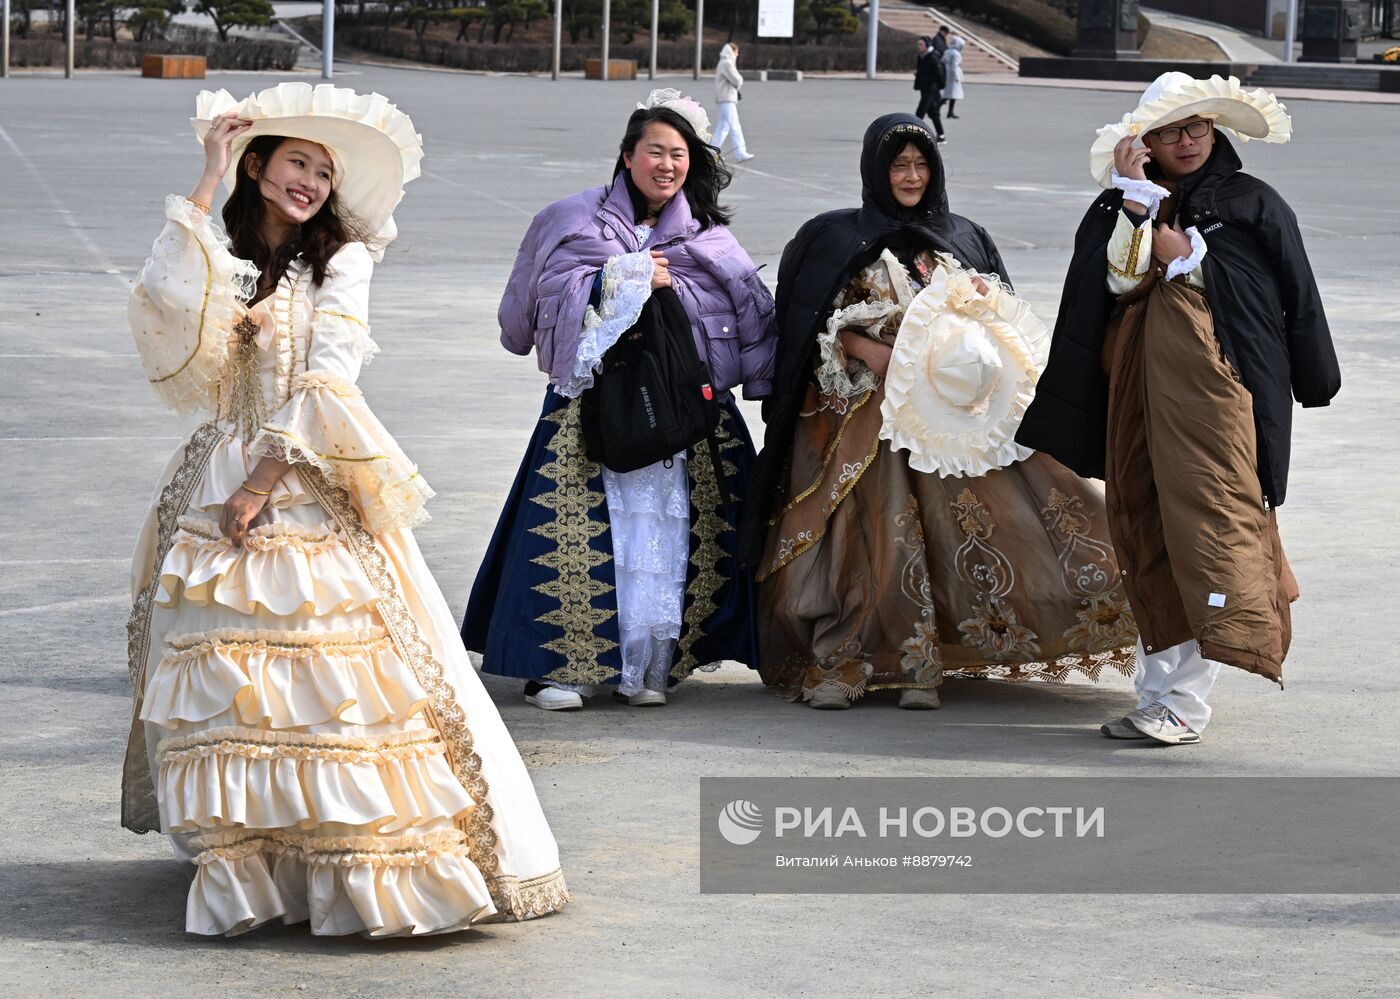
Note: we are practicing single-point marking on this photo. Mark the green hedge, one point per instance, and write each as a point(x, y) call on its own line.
point(102, 53)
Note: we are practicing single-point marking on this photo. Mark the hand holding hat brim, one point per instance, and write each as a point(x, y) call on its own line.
point(372, 143)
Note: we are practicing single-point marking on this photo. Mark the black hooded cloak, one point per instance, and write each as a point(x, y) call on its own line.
point(827, 252)
point(1267, 311)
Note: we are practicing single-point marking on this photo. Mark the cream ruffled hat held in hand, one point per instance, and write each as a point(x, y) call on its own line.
point(373, 144)
point(1248, 114)
point(962, 373)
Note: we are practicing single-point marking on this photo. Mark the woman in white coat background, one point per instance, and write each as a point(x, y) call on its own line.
point(952, 63)
point(727, 84)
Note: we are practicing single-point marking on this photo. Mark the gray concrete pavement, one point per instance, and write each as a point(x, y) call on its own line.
point(88, 909)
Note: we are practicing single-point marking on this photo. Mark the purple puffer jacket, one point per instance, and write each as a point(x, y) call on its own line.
point(730, 308)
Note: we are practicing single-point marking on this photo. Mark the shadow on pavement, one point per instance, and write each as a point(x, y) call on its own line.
point(981, 720)
point(142, 902)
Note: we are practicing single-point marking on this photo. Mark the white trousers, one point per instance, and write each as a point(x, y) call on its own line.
point(1179, 677)
point(729, 127)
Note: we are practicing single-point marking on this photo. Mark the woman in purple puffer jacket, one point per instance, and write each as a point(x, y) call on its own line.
point(596, 578)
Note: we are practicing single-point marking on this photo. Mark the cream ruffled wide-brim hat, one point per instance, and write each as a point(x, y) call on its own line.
point(1248, 114)
point(963, 371)
point(373, 144)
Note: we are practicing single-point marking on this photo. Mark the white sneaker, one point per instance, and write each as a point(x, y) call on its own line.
point(1121, 728)
point(647, 699)
point(745, 158)
point(1157, 721)
point(552, 698)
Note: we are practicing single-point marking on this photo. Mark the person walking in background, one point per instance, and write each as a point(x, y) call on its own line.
point(928, 81)
point(728, 80)
point(953, 73)
point(939, 44)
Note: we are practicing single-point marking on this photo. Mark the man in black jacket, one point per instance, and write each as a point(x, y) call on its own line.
point(1188, 325)
point(930, 78)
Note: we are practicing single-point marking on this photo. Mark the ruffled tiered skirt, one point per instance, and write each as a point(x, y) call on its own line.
point(318, 743)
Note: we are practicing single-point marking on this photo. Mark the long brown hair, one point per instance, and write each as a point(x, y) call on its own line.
point(316, 240)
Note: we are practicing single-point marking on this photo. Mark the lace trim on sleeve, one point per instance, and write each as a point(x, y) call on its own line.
point(844, 376)
point(1185, 265)
point(344, 326)
point(1144, 192)
point(326, 423)
point(190, 293)
point(626, 288)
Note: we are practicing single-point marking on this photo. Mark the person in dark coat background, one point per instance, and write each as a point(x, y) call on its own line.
point(929, 79)
point(1177, 355)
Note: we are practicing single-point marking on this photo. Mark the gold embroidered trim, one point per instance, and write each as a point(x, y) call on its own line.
point(706, 526)
point(809, 542)
point(262, 744)
point(302, 446)
point(826, 458)
point(904, 129)
point(1058, 670)
point(444, 710)
point(342, 315)
point(1090, 574)
point(295, 272)
point(1133, 249)
point(266, 537)
point(140, 812)
point(339, 851)
point(572, 555)
point(292, 643)
point(538, 896)
point(203, 308)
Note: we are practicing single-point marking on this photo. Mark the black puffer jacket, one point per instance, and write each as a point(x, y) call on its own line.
point(820, 260)
point(1264, 300)
point(929, 71)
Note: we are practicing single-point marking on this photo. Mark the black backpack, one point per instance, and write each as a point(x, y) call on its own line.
point(653, 397)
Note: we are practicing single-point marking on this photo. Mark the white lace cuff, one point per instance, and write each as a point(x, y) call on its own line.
point(326, 423)
point(1185, 265)
point(1142, 191)
point(626, 288)
point(844, 376)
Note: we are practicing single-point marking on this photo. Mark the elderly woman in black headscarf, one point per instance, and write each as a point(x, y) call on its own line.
point(875, 572)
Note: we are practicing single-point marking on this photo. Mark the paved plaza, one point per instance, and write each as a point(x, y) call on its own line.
point(89, 909)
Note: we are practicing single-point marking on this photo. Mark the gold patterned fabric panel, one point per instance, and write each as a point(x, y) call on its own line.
point(580, 516)
point(706, 526)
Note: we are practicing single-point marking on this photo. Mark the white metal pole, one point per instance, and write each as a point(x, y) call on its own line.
point(68, 41)
point(872, 37)
point(699, 35)
point(607, 31)
point(1290, 27)
point(5, 39)
point(655, 24)
point(328, 40)
point(558, 38)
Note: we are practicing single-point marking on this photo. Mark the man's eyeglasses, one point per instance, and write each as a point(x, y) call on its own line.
point(1171, 136)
